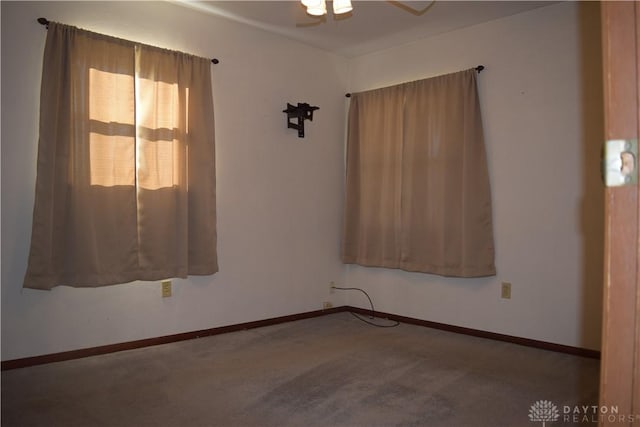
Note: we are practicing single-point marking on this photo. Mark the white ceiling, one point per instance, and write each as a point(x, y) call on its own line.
point(371, 26)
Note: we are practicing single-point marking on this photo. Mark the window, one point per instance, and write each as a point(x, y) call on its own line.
point(125, 186)
point(417, 191)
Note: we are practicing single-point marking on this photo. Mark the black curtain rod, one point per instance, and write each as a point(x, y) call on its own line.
point(479, 68)
point(45, 22)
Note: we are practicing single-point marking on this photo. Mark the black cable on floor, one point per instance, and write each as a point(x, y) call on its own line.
point(373, 312)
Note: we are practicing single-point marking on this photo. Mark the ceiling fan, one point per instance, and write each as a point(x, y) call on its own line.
point(319, 7)
point(342, 9)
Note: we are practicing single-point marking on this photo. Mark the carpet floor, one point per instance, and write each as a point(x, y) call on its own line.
point(328, 371)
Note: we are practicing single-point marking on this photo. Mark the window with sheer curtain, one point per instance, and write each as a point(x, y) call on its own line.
point(125, 186)
point(417, 186)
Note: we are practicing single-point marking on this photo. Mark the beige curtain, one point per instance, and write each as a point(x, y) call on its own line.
point(417, 187)
point(125, 186)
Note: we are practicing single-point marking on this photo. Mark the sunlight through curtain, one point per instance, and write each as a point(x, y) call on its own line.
point(125, 186)
point(417, 190)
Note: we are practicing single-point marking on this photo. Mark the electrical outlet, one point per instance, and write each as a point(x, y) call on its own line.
point(332, 287)
point(326, 305)
point(166, 288)
point(506, 290)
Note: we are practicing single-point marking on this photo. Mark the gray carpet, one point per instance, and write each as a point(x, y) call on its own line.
point(332, 370)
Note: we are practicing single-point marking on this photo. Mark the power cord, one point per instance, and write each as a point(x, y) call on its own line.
point(373, 312)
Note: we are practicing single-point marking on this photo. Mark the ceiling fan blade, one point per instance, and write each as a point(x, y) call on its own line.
point(318, 21)
point(323, 19)
point(407, 8)
point(342, 16)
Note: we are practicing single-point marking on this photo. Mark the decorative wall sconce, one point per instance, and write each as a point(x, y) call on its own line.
point(301, 112)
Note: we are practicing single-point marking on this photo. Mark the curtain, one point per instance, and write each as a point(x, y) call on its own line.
point(417, 187)
point(125, 186)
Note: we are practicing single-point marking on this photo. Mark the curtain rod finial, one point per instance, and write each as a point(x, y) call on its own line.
point(479, 68)
point(43, 21)
point(215, 60)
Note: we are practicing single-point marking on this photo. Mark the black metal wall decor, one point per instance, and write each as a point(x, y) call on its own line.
point(301, 112)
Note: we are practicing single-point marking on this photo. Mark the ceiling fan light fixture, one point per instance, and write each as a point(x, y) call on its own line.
point(316, 7)
point(341, 6)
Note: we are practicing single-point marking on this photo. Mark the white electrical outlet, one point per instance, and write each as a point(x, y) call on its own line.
point(166, 288)
point(326, 305)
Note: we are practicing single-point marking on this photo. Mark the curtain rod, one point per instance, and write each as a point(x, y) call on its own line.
point(45, 22)
point(479, 68)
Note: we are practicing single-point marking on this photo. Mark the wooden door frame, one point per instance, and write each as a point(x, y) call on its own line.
point(619, 377)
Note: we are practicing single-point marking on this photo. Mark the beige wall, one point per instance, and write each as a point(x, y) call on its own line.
point(541, 100)
point(279, 197)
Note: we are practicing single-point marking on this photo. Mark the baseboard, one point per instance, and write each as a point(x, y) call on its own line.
point(130, 345)
point(576, 351)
